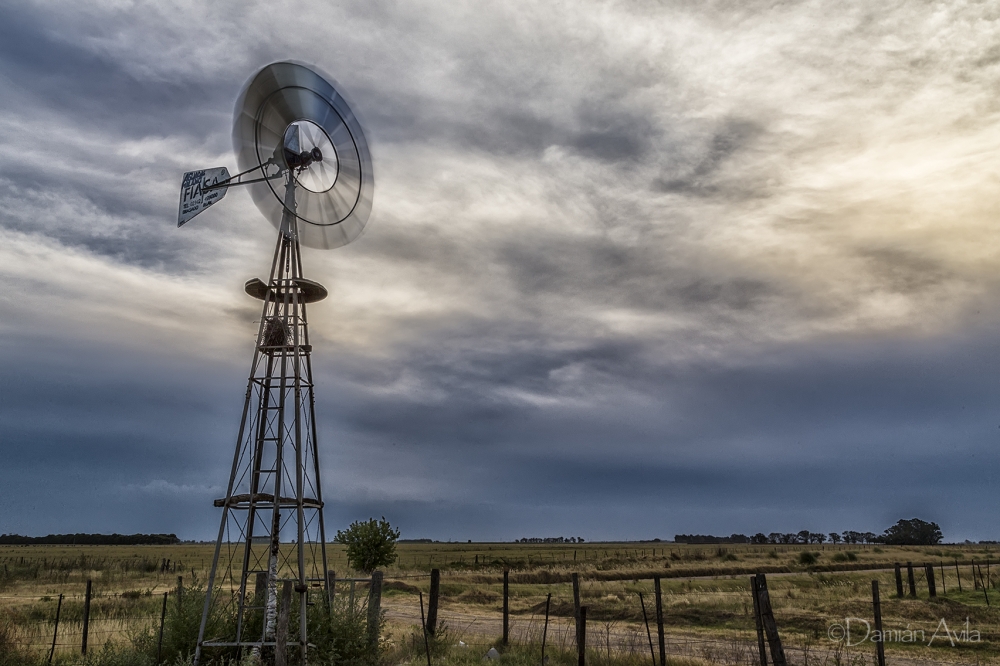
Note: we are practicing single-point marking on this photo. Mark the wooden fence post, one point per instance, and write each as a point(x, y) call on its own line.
point(506, 605)
point(758, 621)
point(86, 618)
point(331, 587)
point(649, 635)
point(576, 605)
point(899, 581)
point(659, 621)
point(931, 587)
point(281, 632)
point(975, 581)
point(958, 574)
point(374, 609)
point(545, 627)
point(581, 650)
point(432, 601)
point(944, 588)
point(910, 579)
point(770, 627)
point(983, 583)
point(877, 605)
point(423, 625)
point(55, 631)
point(163, 617)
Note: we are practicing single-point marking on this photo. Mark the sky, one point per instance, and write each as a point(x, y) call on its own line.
point(634, 269)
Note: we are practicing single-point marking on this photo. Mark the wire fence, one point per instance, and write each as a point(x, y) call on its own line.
point(709, 619)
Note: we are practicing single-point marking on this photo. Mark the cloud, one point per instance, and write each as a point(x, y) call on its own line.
point(163, 487)
point(639, 248)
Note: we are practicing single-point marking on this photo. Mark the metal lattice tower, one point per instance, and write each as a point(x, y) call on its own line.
point(272, 527)
point(303, 157)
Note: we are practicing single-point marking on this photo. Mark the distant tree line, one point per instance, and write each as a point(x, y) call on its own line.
point(550, 540)
point(708, 538)
point(913, 532)
point(91, 540)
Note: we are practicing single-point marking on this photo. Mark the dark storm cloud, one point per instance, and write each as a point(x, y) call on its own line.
point(633, 275)
point(71, 171)
point(47, 68)
point(849, 436)
point(610, 131)
point(626, 261)
point(101, 444)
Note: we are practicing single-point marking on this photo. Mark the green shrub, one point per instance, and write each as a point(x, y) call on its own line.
point(807, 558)
point(370, 544)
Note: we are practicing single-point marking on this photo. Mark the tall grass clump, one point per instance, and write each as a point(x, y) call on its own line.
point(12, 652)
point(180, 629)
point(340, 634)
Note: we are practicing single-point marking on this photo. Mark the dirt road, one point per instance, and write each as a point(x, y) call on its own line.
point(480, 630)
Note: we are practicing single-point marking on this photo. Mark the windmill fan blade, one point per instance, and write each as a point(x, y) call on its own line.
point(334, 196)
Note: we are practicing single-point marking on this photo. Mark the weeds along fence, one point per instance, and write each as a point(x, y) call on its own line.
point(725, 620)
point(78, 620)
point(717, 619)
point(56, 624)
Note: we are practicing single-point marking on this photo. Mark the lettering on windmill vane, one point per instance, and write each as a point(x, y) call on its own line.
point(194, 195)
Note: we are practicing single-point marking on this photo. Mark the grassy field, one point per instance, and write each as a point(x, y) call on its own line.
point(706, 602)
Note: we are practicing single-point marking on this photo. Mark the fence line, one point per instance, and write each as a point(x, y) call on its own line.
point(611, 635)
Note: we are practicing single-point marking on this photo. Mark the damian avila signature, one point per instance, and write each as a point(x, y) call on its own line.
point(855, 631)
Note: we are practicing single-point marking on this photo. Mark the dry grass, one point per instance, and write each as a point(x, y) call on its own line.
point(706, 602)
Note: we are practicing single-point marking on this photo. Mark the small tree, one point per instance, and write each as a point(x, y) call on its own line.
point(370, 544)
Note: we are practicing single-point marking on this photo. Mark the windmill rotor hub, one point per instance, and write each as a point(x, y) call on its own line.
point(308, 151)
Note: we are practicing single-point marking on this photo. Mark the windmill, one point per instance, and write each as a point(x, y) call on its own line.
point(303, 156)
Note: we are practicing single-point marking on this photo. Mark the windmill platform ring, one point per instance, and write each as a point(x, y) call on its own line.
point(290, 117)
